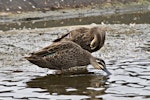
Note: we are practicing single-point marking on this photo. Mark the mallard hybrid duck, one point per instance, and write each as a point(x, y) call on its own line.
point(91, 39)
point(63, 55)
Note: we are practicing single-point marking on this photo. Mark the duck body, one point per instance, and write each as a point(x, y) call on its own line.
point(60, 55)
point(91, 39)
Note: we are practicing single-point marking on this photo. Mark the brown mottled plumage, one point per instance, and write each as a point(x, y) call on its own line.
point(63, 55)
point(91, 39)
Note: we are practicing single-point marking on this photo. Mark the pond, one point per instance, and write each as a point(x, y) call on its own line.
point(126, 53)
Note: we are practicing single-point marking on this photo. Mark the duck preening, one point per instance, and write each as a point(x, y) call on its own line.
point(91, 39)
point(63, 55)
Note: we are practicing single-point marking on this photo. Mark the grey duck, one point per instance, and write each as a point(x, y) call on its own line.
point(91, 39)
point(63, 55)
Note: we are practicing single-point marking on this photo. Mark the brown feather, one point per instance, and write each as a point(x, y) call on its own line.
point(85, 37)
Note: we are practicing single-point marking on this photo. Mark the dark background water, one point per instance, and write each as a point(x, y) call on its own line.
point(138, 18)
point(16, 14)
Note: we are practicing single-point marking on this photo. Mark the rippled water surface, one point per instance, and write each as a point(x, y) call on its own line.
point(126, 52)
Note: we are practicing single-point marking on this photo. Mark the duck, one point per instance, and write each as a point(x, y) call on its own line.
point(91, 39)
point(63, 55)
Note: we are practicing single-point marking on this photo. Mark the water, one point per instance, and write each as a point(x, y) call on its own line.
point(126, 53)
point(140, 17)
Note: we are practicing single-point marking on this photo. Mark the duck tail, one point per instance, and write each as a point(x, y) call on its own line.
point(32, 59)
point(36, 60)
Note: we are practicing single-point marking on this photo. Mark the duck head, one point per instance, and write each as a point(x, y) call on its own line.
point(99, 64)
point(98, 38)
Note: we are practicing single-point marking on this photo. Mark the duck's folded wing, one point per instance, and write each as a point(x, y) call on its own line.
point(55, 47)
point(41, 53)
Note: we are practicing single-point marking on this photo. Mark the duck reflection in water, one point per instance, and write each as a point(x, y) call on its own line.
point(92, 85)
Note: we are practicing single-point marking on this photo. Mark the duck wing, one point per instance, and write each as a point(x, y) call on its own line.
point(63, 54)
point(73, 35)
point(55, 47)
point(62, 37)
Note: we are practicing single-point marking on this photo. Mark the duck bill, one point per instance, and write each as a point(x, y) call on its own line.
point(106, 70)
point(103, 67)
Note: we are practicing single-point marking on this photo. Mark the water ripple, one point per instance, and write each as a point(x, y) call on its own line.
point(126, 56)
